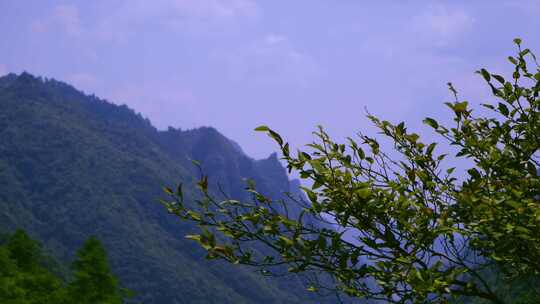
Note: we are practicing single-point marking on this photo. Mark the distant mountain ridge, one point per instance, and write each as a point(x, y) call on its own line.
point(74, 165)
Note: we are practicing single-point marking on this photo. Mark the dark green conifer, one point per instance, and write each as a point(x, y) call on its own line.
point(23, 278)
point(93, 280)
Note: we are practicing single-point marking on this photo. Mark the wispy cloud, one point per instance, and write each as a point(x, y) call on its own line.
point(117, 22)
point(64, 18)
point(271, 60)
point(442, 24)
point(214, 8)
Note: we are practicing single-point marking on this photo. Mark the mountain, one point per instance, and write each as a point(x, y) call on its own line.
point(74, 165)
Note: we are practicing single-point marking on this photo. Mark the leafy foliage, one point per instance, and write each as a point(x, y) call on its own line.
point(408, 229)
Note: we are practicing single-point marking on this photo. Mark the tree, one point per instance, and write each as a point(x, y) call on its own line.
point(23, 277)
point(409, 228)
point(93, 280)
point(28, 276)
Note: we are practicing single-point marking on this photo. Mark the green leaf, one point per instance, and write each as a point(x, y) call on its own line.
point(276, 137)
point(168, 190)
point(531, 168)
point(485, 74)
point(517, 41)
point(460, 107)
point(194, 215)
point(312, 288)
point(503, 109)
point(262, 129)
point(194, 237)
point(430, 148)
point(400, 128)
point(285, 150)
point(203, 183)
point(474, 173)
point(180, 192)
point(364, 193)
point(431, 122)
point(413, 137)
point(499, 78)
point(286, 240)
point(360, 153)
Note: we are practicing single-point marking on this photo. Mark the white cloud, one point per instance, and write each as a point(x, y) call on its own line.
point(442, 24)
point(117, 23)
point(213, 9)
point(271, 60)
point(274, 39)
point(68, 17)
point(64, 18)
point(202, 15)
point(184, 16)
point(217, 8)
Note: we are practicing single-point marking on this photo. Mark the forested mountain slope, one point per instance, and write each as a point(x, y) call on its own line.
point(73, 165)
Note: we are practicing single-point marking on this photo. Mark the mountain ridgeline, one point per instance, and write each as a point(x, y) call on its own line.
point(73, 165)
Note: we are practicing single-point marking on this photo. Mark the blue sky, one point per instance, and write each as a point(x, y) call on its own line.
point(289, 64)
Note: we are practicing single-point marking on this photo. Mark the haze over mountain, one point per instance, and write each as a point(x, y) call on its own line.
point(236, 64)
point(73, 165)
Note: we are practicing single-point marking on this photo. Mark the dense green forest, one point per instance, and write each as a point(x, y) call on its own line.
point(73, 165)
point(28, 275)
